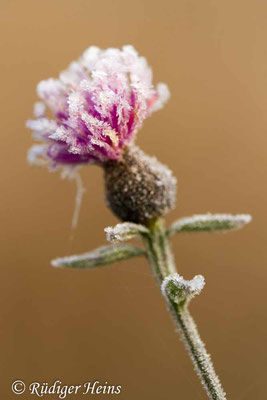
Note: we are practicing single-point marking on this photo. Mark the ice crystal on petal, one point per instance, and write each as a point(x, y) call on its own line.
point(96, 105)
point(36, 153)
point(39, 109)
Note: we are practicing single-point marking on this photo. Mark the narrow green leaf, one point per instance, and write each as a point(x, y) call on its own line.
point(125, 231)
point(209, 223)
point(99, 257)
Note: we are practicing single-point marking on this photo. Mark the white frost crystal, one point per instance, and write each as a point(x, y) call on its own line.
point(39, 109)
point(210, 223)
point(178, 289)
point(124, 231)
point(102, 256)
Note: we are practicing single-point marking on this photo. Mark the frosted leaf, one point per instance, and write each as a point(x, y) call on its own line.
point(125, 231)
point(179, 290)
point(209, 223)
point(102, 256)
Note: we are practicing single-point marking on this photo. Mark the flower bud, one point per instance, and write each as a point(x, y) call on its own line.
point(138, 187)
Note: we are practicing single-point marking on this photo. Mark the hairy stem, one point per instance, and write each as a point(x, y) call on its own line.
point(162, 264)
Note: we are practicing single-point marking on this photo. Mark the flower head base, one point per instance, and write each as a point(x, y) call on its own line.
point(97, 106)
point(139, 188)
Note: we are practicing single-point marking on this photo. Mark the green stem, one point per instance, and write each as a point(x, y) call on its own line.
point(159, 252)
point(162, 264)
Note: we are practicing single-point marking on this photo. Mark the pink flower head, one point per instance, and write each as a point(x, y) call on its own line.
point(96, 107)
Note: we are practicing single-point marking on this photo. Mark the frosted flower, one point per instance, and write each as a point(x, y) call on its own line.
point(94, 109)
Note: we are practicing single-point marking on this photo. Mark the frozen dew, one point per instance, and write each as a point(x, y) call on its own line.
point(176, 288)
point(210, 223)
point(124, 231)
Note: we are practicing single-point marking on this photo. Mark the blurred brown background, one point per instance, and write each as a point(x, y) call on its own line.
point(111, 324)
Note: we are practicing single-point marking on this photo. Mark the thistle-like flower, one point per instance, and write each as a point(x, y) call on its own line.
point(97, 105)
point(94, 110)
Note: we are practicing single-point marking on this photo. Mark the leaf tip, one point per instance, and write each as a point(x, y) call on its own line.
point(177, 289)
point(57, 263)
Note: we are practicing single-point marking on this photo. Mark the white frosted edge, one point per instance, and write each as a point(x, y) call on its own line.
point(192, 287)
point(238, 219)
point(124, 231)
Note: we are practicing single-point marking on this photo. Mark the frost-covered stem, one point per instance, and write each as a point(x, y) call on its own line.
point(162, 264)
point(197, 351)
point(159, 251)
